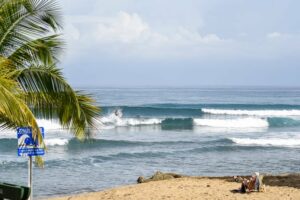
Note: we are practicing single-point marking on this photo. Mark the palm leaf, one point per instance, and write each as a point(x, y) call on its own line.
point(22, 21)
point(13, 110)
point(40, 51)
point(30, 83)
point(50, 96)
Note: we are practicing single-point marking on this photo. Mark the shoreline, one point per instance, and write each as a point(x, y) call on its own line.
point(187, 187)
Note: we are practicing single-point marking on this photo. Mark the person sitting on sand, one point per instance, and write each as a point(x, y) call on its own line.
point(247, 185)
point(253, 184)
point(250, 185)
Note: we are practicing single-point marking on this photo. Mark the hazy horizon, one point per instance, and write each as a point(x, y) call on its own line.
point(189, 87)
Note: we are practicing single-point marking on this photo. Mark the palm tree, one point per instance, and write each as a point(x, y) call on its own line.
point(30, 82)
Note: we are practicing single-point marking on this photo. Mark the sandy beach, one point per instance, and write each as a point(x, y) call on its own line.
point(190, 188)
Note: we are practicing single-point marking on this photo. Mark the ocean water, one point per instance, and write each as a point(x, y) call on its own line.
point(198, 131)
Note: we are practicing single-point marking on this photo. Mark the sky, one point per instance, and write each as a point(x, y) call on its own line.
point(175, 43)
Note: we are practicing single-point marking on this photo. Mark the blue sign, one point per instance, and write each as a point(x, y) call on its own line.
point(26, 144)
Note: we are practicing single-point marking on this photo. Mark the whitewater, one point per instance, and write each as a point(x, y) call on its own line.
point(194, 131)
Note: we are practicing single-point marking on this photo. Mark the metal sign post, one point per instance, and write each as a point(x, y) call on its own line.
point(30, 176)
point(27, 146)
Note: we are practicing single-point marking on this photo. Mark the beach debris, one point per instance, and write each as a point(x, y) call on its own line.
point(158, 176)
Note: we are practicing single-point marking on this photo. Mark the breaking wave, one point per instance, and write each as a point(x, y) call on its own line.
point(264, 113)
point(56, 142)
point(116, 119)
point(232, 123)
point(267, 142)
point(49, 124)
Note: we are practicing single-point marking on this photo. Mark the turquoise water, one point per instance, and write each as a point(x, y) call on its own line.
point(199, 131)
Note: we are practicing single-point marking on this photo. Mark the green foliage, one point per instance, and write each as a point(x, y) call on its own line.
point(31, 84)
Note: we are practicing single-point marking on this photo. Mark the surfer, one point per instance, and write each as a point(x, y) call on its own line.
point(118, 113)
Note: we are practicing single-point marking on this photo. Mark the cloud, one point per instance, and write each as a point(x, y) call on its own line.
point(126, 28)
point(131, 28)
point(146, 38)
point(284, 36)
point(130, 32)
point(72, 32)
point(129, 35)
point(274, 35)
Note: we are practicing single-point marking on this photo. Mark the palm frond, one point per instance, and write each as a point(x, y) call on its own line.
point(40, 51)
point(50, 96)
point(13, 110)
point(30, 83)
point(22, 21)
point(88, 116)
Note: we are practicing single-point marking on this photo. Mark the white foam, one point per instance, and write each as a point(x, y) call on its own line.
point(116, 119)
point(112, 118)
point(56, 142)
point(232, 123)
point(7, 133)
point(136, 122)
point(276, 113)
point(49, 124)
point(267, 141)
point(129, 122)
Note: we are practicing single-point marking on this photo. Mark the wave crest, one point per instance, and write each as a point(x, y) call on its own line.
point(263, 113)
point(267, 142)
point(56, 142)
point(232, 123)
point(116, 119)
